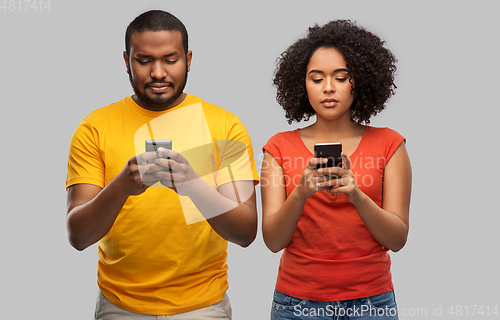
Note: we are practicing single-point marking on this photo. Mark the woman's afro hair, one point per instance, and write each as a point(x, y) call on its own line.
point(371, 67)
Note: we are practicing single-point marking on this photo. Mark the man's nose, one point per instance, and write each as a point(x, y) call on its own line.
point(158, 71)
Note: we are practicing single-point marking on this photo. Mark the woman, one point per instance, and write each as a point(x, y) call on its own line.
point(335, 225)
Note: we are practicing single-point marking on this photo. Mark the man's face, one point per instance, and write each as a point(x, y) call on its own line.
point(157, 68)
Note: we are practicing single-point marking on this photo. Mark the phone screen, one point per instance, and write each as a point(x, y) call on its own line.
point(153, 145)
point(331, 151)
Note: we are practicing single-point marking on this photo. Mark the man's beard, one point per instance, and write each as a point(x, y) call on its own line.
point(158, 102)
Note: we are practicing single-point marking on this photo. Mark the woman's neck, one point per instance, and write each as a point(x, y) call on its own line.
point(338, 129)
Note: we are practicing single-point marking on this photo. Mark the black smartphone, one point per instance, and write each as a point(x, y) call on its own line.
point(153, 145)
point(331, 151)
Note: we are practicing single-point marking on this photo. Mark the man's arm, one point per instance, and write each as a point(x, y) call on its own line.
point(91, 213)
point(233, 220)
point(92, 210)
point(230, 210)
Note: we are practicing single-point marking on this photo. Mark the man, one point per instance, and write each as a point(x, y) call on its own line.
point(162, 218)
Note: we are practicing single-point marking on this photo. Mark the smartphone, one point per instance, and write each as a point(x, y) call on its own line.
point(153, 145)
point(331, 151)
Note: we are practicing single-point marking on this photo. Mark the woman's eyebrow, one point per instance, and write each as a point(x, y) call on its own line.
point(334, 71)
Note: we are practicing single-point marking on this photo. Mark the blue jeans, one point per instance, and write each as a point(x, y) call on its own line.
point(380, 307)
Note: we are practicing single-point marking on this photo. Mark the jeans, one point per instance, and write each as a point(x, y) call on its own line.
point(105, 310)
point(380, 307)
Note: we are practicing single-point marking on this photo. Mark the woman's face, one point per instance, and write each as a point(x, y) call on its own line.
point(328, 86)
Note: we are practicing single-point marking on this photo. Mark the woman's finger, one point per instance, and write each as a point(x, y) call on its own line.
point(347, 161)
point(311, 164)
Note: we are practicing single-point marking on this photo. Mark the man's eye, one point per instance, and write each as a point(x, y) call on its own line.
point(170, 61)
point(143, 62)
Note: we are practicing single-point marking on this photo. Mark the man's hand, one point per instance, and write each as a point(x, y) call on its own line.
point(139, 173)
point(173, 171)
point(230, 210)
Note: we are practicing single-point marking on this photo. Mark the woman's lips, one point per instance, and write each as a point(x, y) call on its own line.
point(329, 103)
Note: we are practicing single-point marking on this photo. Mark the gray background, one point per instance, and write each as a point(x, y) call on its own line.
point(57, 66)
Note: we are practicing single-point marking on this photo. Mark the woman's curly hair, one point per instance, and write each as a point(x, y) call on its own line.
point(371, 67)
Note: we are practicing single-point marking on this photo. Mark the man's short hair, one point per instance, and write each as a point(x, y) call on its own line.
point(156, 20)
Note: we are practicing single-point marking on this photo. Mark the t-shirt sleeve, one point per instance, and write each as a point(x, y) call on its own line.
point(85, 164)
point(394, 140)
point(235, 155)
point(273, 146)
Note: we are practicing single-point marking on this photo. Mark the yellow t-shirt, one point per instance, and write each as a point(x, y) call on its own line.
point(161, 256)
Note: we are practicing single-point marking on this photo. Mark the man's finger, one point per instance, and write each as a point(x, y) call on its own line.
point(153, 167)
point(145, 157)
point(149, 180)
point(174, 155)
point(164, 163)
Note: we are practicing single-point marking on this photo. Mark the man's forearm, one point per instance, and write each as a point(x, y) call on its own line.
point(230, 210)
point(87, 223)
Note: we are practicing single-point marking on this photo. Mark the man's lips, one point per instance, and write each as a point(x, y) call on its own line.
point(159, 87)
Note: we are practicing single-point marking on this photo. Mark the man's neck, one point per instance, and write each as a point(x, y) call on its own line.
point(159, 107)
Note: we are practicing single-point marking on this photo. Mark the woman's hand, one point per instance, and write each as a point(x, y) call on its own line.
point(314, 180)
point(345, 182)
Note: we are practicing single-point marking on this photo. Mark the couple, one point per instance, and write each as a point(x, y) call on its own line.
point(163, 217)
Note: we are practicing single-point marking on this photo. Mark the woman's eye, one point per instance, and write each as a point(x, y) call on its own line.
point(341, 79)
point(317, 80)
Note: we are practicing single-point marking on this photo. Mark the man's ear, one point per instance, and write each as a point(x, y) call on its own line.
point(189, 56)
point(125, 57)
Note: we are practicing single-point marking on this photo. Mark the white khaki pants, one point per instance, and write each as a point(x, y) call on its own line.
point(105, 310)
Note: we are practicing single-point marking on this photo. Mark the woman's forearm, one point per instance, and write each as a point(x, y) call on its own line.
point(279, 227)
point(387, 228)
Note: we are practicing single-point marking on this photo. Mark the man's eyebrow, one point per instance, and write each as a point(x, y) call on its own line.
point(334, 71)
point(140, 55)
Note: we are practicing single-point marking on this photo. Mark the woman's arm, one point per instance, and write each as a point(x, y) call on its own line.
point(389, 225)
point(280, 214)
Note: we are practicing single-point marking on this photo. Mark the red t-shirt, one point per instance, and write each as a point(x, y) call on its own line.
point(332, 255)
